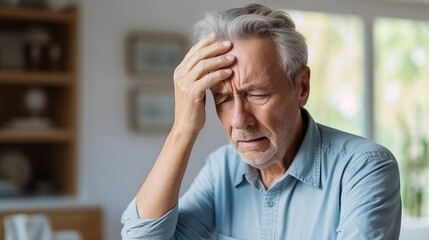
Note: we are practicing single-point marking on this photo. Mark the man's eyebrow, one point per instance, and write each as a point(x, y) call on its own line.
point(249, 88)
point(220, 93)
point(254, 88)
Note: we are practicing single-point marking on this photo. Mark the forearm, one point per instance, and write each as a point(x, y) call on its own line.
point(160, 191)
point(203, 66)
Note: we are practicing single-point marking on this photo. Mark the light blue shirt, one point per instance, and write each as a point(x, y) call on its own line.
point(339, 186)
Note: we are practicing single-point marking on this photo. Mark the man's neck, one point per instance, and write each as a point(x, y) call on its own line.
point(272, 173)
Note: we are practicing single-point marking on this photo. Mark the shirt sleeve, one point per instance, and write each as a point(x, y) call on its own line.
point(196, 207)
point(191, 219)
point(370, 199)
point(135, 228)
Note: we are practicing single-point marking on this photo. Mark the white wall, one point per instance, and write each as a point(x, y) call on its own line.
point(113, 159)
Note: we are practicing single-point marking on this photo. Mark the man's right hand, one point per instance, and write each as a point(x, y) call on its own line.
point(203, 66)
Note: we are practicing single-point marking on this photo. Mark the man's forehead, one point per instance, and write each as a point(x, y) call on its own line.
point(254, 67)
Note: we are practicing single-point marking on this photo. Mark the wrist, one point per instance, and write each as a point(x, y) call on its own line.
point(183, 132)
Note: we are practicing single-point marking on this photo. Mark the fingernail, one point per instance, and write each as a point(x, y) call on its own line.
point(228, 71)
point(227, 43)
point(230, 57)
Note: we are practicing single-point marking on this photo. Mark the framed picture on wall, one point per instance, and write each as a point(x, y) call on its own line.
point(151, 108)
point(149, 52)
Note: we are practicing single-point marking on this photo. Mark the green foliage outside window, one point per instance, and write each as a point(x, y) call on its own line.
point(335, 50)
point(401, 104)
point(401, 80)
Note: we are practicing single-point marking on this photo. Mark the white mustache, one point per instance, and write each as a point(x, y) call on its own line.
point(246, 135)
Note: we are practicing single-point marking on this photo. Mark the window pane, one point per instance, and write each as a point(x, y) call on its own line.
point(335, 46)
point(401, 104)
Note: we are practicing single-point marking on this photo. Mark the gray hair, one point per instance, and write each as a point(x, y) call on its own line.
point(255, 20)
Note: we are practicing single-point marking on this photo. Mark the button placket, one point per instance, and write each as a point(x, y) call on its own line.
point(269, 214)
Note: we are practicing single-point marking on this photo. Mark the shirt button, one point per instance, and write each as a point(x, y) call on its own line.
point(270, 203)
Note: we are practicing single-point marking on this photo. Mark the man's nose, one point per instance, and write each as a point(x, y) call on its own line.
point(242, 116)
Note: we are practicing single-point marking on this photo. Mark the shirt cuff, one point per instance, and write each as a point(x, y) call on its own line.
point(158, 228)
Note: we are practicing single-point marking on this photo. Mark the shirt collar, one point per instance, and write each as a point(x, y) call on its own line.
point(243, 170)
point(306, 165)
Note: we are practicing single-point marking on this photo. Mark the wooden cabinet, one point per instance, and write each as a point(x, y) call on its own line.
point(38, 119)
point(38, 88)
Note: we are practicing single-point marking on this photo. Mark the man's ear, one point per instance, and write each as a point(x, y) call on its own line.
point(302, 85)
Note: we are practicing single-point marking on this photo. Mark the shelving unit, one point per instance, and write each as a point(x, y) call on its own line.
point(50, 151)
point(20, 77)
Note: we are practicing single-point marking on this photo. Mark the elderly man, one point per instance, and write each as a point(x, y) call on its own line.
point(283, 176)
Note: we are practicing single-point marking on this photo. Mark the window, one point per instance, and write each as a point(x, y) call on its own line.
point(335, 58)
point(399, 81)
point(401, 104)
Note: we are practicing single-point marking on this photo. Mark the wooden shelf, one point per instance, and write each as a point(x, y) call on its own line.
point(25, 136)
point(51, 152)
point(24, 77)
point(42, 15)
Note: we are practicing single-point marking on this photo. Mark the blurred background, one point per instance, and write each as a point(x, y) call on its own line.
point(86, 98)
